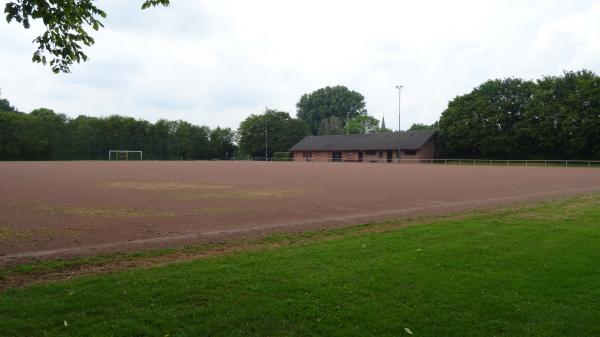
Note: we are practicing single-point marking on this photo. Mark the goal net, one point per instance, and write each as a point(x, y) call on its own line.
point(124, 155)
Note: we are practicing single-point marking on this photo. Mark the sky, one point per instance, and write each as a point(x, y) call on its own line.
point(215, 62)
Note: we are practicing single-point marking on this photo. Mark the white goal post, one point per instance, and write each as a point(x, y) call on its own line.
point(123, 154)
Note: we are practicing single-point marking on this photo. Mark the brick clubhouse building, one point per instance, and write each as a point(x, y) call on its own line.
point(373, 147)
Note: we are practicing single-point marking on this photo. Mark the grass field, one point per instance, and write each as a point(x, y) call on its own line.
point(528, 271)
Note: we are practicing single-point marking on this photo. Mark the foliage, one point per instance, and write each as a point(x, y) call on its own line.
point(363, 124)
point(46, 135)
point(538, 276)
point(563, 119)
point(222, 143)
point(423, 127)
point(65, 22)
point(555, 117)
point(22, 136)
point(5, 106)
point(332, 125)
point(276, 128)
point(330, 101)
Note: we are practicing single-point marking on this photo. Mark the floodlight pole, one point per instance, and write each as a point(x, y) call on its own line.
point(399, 87)
point(347, 120)
point(266, 134)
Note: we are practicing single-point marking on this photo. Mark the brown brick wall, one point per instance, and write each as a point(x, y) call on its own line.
point(351, 156)
point(426, 152)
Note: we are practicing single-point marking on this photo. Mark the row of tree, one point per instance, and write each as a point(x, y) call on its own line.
point(327, 111)
point(554, 117)
point(46, 135)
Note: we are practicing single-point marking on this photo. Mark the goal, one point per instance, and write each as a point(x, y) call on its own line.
point(125, 155)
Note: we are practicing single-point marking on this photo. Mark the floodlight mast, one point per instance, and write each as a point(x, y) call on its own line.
point(347, 120)
point(266, 133)
point(399, 87)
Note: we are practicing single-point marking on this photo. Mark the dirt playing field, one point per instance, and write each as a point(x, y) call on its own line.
point(51, 209)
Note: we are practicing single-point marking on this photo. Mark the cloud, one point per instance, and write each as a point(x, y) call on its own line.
point(571, 41)
point(214, 62)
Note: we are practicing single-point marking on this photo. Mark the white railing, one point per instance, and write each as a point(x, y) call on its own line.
point(471, 162)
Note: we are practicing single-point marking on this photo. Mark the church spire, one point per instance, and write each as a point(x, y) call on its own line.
point(383, 122)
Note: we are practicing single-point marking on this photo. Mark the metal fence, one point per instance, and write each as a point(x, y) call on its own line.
point(469, 162)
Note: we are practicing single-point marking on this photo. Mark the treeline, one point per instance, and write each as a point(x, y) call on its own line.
point(46, 135)
point(556, 117)
point(326, 111)
point(270, 133)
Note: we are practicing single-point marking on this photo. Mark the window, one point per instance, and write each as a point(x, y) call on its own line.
point(349, 154)
point(371, 153)
point(318, 153)
point(410, 153)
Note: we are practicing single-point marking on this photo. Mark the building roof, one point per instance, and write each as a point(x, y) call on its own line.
point(408, 140)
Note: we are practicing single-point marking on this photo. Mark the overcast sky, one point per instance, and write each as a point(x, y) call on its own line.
point(214, 62)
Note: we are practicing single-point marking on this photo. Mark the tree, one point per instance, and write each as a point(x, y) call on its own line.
point(330, 101)
point(5, 106)
point(52, 131)
point(555, 117)
point(22, 137)
point(421, 127)
point(564, 116)
point(363, 124)
point(191, 141)
point(85, 138)
point(66, 22)
point(222, 143)
point(485, 122)
point(161, 133)
point(46, 135)
point(331, 126)
point(283, 133)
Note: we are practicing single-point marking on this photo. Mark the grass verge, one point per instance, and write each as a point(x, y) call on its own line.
point(530, 271)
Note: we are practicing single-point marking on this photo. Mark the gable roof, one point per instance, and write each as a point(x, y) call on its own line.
point(408, 140)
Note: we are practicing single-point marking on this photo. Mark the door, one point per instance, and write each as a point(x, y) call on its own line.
point(336, 156)
point(390, 156)
point(360, 156)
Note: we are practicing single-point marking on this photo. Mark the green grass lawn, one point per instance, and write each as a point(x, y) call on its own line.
point(531, 271)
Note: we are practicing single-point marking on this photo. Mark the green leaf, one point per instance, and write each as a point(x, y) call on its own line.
point(65, 21)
